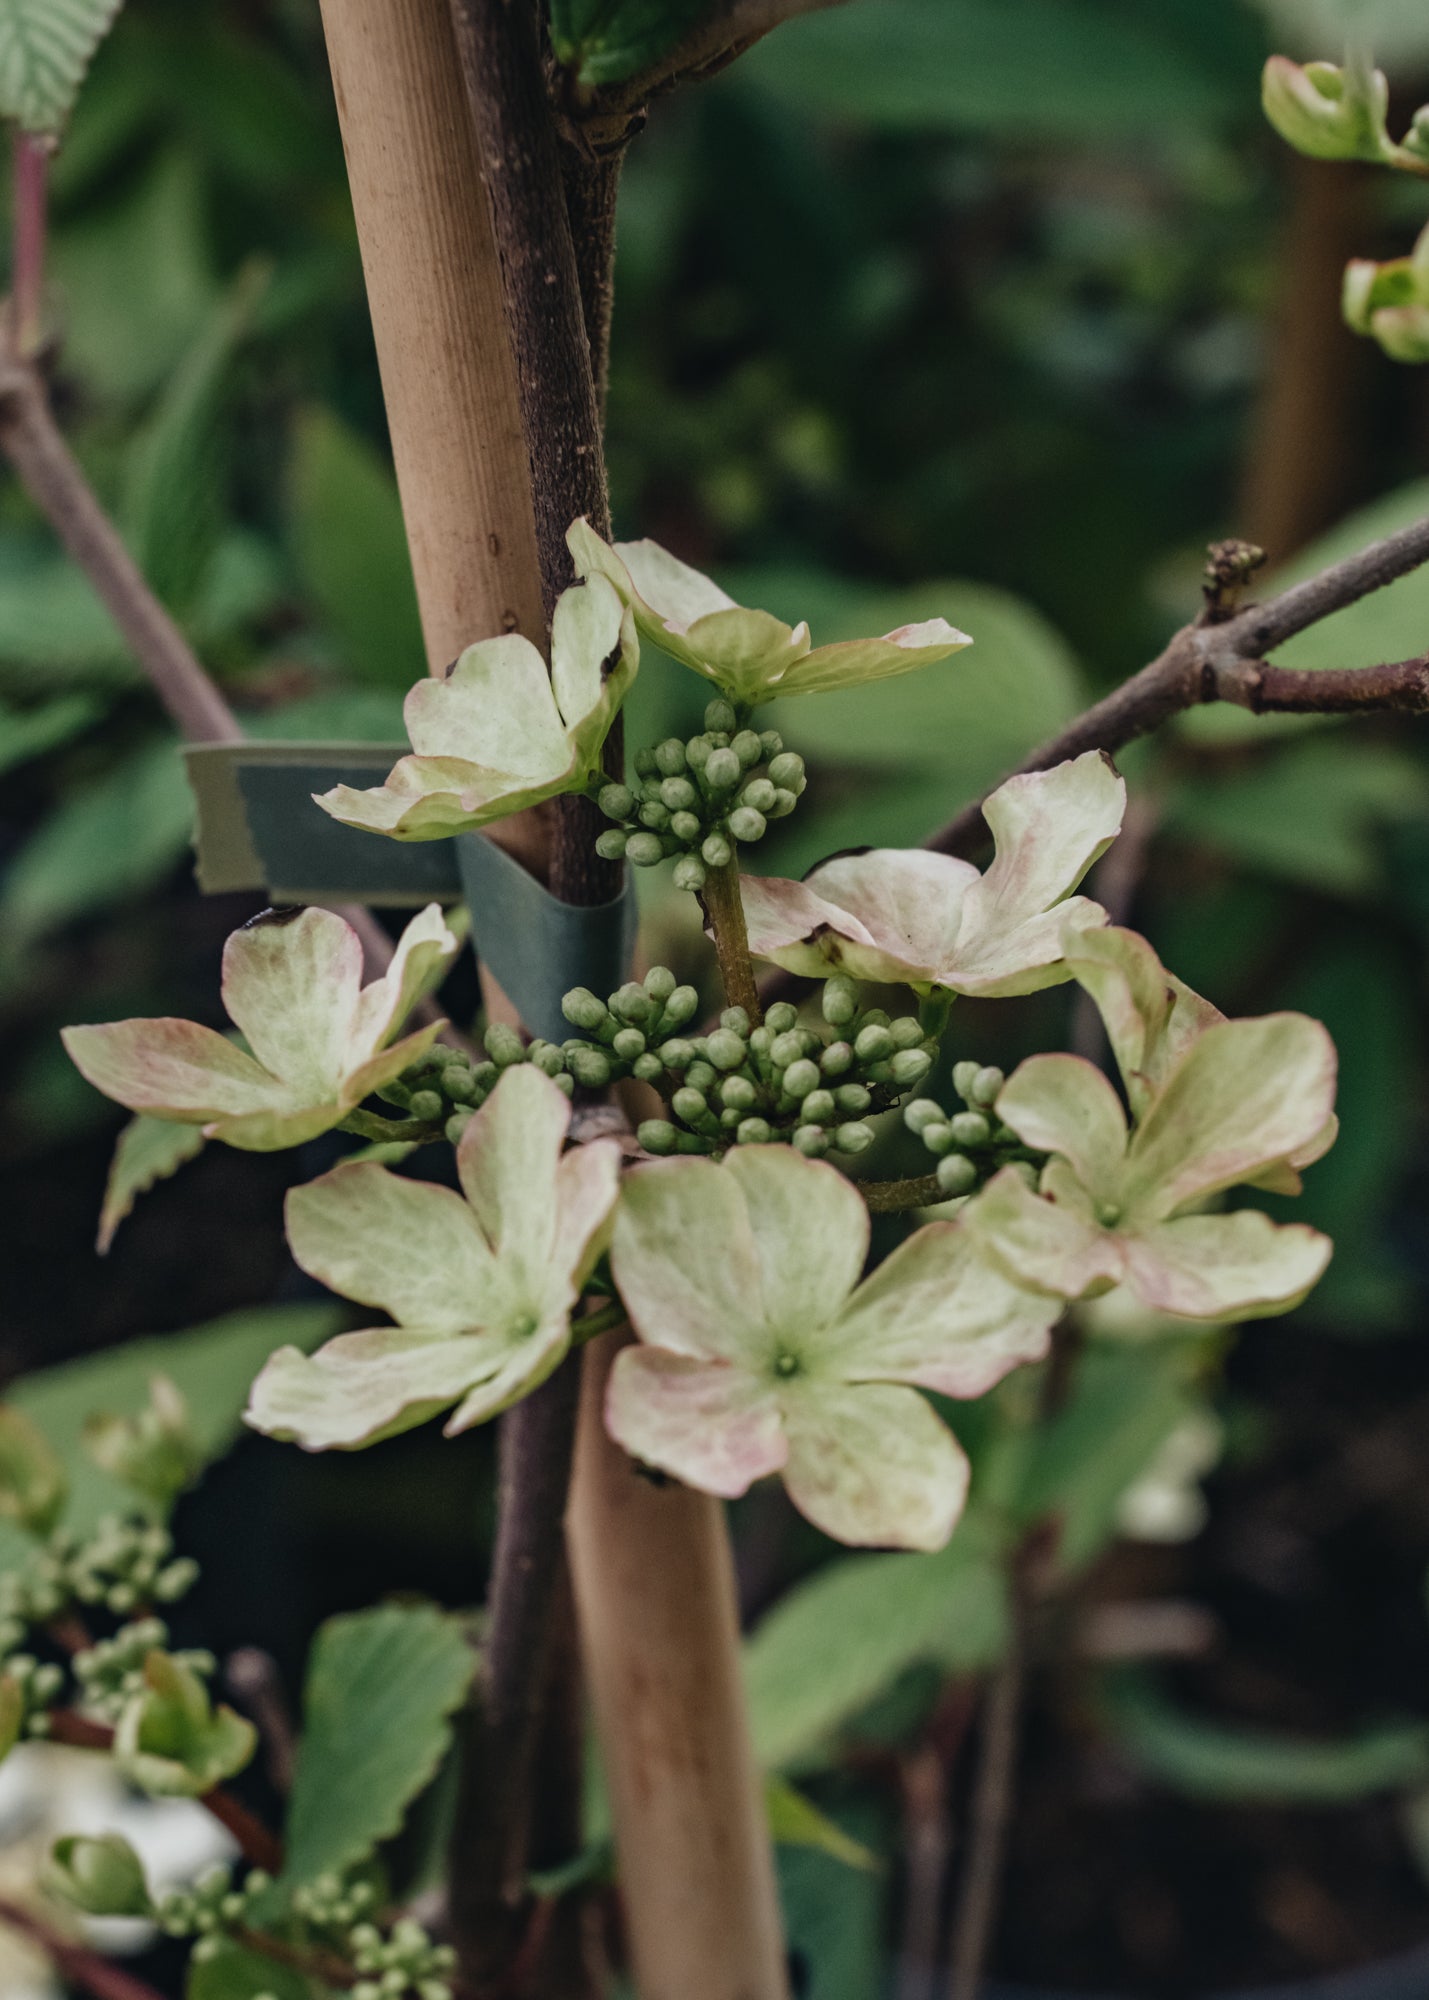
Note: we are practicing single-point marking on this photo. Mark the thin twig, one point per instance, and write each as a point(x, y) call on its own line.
point(77, 1964)
point(923, 1776)
point(881, 1197)
point(252, 1676)
point(30, 153)
point(979, 1893)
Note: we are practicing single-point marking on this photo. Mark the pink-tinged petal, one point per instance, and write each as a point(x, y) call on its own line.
point(1048, 1245)
point(424, 951)
point(1239, 1266)
point(387, 1065)
point(291, 985)
point(587, 1188)
point(1026, 958)
point(858, 660)
point(1151, 1018)
point(811, 1233)
point(1062, 1104)
point(413, 1249)
point(522, 1364)
point(873, 1465)
point(362, 1387)
point(685, 1264)
point(275, 1131)
point(792, 926)
point(494, 709)
point(507, 1163)
point(941, 1314)
point(907, 901)
point(1245, 1094)
point(714, 1426)
point(172, 1069)
point(432, 798)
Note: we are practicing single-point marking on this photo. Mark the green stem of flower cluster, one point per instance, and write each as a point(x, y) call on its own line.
point(596, 1323)
point(389, 1131)
point(724, 907)
point(918, 1191)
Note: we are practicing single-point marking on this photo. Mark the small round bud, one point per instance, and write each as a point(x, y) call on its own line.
point(720, 715)
point(656, 1135)
point(659, 984)
point(730, 1118)
point(697, 752)
point(837, 1058)
point(965, 1075)
point(644, 849)
point(689, 1105)
point(873, 1044)
point(428, 1105)
point(787, 771)
point(970, 1128)
point(760, 1040)
point(722, 772)
point(726, 1049)
point(910, 1066)
point(679, 794)
point(460, 1085)
point(682, 1005)
point(616, 801)
point(812, 1141)
point(701, 1074)
point(645, 764)
point(746, 824)
point(736, 1018)
point(629, 1044)
point(759, 794)
point(906, 1031)
point(632, 1004)
point(737, 1093)
point(922, 1112)
point(753, 1132)
point(783, 804)
point(938, 1137)
point(770, 742)
point(986, 1086)
point(685, 827)
point(677, 1054)
point(716, 850)
point(781, 1017)
point(655, 815)
point(503, 1045)
point(956, 1175)
point(648, 1068)
point(670, 757)
point(801, 1077)
point(820, 1107)
point(854, 1138)
point(786, 1048)
point(840, 1000)
point(747, 747)
point(689, 873)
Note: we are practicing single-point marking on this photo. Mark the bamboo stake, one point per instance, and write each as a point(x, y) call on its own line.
point(660, 1634)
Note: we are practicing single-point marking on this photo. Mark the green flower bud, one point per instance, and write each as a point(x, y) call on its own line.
point(753, 1132)
point(922, 1112)
point(801, 1077)
point(629, 1044)
point(679, 794)
point(719, 714)
point(670, 757)
point(736, 1018)
point(656, 1135)
point(783, 804)
point(726, 1049)
point(787, 771)
point(873, 1044)
point(730, 1119)
point(427, 1105)
point(1325, 112)
point(456, 1125)
point(101, 1875)
point(820, 1107)
point(811, 1141)
point(616, 801)
point(682, 1005)
point(938, 1137)
point(747, 747)
point(660, 984)
point(737, 1093)
point(746, 824)
point(910, 1066)
point(840, 1000)
point(1026, 1173)
point(460, 1085)
point(677, 1054)
point(770, 742)
point(484, 1076)
point(970, 1128)
point(759, 795)
point(686, 827)
point(654, 814)
point(965, 1075)
point(760, 1040)
point(689, 873)
point(689, 1105)
point(648, 1068)
point(956, 1175)
point(723, 771)
point(985, 1086)
point(701, 1074)
point(854, 1138)
point(645, 764)
point(643, 850)
point(906, 1031)
point(697, 752)
point(503, 1045)
point(786, 1048)
point(716, 850)
point(837, 1058)
point(781, 1017)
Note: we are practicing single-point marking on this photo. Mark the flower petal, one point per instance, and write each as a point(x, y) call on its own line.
point(1245, 1094)
point(1151, 1019)
point(291, 985)
point(1047, 1244)
point(684, 1259)
point(413, 1249)
point(424, 950)
point(873, 1465)
point(857, 660)
point(587, 629)
point(587, 1188)
point(432, 798)
point(172, 1069)
point(1062, 1104)
point(494, 709)
point(714, 1426)
point(791, 925)
point(811, 1234)
point(507, 1163)
point(941, 1314)
point(908, 901)
point(1239, 1266)
point(522, 1364)
point(363, 1386)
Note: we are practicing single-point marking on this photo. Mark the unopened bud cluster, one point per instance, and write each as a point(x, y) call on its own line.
point(110, 1673)
point(636, 1032)
point(972, 1144)
point(444, 1086)
point(696, 799)
point(211, 1907)
point(390, 1964)
point(39, 1686)
point(812, 1088)
point(123, 1565)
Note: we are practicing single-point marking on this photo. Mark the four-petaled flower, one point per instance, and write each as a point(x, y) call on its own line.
point(481, 1288)
point(765, 1354)
point(750, 655)
point(1247, 1101)
point(320, 1041)
point(500, 733)
point(932, 921)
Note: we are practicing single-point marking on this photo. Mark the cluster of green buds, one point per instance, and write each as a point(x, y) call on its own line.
point(335, 1902)
point(443, 1087)
point(637, 1030)
point(125, 1563)
point(747, 1086)
point(110, 1673)
point(29, 1689)
point(212, 1907)
point(696, 799)
point(405, 1961)
point(972, 1144)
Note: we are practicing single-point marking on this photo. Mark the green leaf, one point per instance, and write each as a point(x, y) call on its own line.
point(607, 41)
point(1213, 1760)
point(834, 1643)
point(26, 733)
point(224, 1970)
point(103, 845)
point(147, 1150)
point(381, 1688)
point(33, 1487)
point(836, 1922)
point(45, 48)
point(351, 551)
point(795, 1821)
point(53, 629)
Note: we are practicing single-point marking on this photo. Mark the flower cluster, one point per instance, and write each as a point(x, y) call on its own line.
point(696, 799)
point(124, 1563)
point(110, 1673)
point(970, 1145)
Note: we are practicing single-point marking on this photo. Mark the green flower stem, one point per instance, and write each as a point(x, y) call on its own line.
point(385, 1131)
point(595, 1323)
point(918, 1191)
point(724, 907)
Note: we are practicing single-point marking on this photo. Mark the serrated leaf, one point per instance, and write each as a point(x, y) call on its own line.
point(229, 1971)
point(381, 1688)
point(795, 1821)
point(46, 46)
point(147, 1150)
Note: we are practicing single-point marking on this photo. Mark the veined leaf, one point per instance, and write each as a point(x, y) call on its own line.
point(795, 1821)
point(147, 1150)
point(45, 48)
point(232, 1972)
point(381, 1688)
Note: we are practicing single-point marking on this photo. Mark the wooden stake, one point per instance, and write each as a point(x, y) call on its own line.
point(660, 1636)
